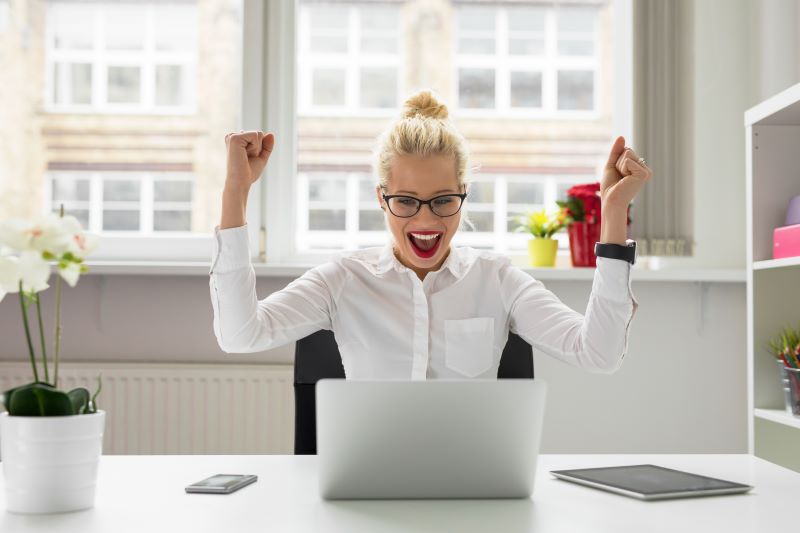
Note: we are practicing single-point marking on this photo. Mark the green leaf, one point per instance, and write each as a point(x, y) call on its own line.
point(80, 400)
point(39, 399)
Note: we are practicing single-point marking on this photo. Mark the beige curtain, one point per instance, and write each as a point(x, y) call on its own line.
point(662, 115)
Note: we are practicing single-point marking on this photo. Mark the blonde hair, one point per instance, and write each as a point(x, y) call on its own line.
point(423, 129)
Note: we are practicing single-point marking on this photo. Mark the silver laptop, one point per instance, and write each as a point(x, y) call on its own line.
point(428, 439)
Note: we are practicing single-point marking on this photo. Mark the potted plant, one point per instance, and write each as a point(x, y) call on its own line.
point(541, 225)
point(583, 221)
point(786, 348)
point(50, 439)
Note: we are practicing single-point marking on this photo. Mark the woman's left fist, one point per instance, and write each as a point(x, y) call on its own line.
point(623, 176)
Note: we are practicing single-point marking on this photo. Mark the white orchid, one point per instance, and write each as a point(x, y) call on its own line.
point(38, 241)
point(26, 249)
point(9, 272)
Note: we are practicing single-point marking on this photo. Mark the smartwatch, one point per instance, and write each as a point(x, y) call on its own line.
point(626, 252)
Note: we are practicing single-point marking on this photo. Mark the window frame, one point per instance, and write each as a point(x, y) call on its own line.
point(503, 63)
point(101, 58)
point(192, 247)
point(283, 174)
point(352, 62)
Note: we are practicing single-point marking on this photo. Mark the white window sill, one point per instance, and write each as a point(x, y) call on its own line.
point(186, 268)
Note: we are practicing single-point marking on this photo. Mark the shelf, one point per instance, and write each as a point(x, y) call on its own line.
point(783, 109)
point(776, 263)
point(778, 415)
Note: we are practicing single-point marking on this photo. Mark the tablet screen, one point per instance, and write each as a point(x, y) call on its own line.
point(649, 479)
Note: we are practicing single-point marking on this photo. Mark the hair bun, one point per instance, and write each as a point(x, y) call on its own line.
point(425, 104)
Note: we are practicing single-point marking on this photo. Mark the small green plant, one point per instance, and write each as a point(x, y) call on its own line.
point(786, 347)
point(25, 251)
point(541, 224)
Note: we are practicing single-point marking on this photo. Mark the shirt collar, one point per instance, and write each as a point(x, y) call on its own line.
point(387, 260)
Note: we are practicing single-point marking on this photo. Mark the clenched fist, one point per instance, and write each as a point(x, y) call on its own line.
point(248, 153)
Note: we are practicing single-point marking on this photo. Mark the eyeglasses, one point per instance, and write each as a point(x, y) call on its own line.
point(445, 205)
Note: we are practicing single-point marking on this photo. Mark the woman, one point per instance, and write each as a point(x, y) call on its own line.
point(419, 308)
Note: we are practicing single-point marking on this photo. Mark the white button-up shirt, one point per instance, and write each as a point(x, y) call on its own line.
point(390, 324)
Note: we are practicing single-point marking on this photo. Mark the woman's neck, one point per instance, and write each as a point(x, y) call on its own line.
point(421, 272)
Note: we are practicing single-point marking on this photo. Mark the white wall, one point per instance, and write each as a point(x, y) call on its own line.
point(681, 388)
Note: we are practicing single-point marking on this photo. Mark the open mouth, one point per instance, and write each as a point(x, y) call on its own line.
point(425, 243)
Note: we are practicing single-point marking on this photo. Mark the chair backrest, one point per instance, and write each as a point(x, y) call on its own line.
point(317, 356)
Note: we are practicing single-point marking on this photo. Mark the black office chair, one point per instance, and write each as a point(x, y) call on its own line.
point(317, 356)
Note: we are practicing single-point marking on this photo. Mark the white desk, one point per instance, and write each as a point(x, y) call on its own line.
point(145, 494)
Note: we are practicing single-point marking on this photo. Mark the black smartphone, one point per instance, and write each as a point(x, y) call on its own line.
point(222, 483)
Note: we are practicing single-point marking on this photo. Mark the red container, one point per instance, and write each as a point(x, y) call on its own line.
point(582, 236)
point(786, 242)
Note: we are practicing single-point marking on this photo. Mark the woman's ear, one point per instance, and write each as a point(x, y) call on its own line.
point(380, 198)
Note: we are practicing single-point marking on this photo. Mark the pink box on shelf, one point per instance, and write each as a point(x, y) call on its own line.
point(786, 242)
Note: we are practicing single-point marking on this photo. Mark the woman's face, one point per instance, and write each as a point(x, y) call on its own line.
point(423, 178)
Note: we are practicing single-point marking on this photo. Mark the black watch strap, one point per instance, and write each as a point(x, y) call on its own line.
point(625, 252)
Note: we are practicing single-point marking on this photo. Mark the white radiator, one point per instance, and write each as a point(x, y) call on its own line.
point(183, 408)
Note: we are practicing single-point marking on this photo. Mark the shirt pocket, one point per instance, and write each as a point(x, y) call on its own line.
point(469, 345)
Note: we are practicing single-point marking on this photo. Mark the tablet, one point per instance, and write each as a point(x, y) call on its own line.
point(650, 482)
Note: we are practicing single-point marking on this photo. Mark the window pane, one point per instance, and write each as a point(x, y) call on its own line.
point(366, 190)
point(372, 220)
point(379, 29)
point(476, 87)
point(172, 191)
point(526, 89)
point(576, 89)
point(525, 193)
point(526, 31)
point(172, 220)
point(326, 190)
point(575, 28)
point(169, 85)
point(575, 47)
point(73, 26)
point(121, 190)
point(476, 30)
point(81, 214)
point(66, 190)
point(378, 87)
point(124, 26)
point(328, 26)
point(481, 192)
point(326, 219)
point(123, 85)
point(72, 83)
point(328, 87)
point(176, 27)
point(119, 220)
point(483, 220)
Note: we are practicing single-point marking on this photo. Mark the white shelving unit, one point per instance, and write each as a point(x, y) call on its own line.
point(772, 137)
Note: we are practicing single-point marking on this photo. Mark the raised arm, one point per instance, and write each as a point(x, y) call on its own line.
point(242, 323)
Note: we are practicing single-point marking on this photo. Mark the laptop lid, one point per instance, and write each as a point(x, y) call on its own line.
point(428, 439)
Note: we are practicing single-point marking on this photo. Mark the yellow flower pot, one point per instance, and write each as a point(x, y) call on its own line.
point(542, 252)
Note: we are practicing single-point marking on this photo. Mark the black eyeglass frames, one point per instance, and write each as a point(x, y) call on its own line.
point(445, 205)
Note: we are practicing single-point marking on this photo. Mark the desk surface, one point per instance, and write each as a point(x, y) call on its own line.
point(145, 493)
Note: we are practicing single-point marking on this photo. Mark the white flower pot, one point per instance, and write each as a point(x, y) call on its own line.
point(50, 462)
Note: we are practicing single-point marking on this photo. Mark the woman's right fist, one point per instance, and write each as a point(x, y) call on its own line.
point(248, 153)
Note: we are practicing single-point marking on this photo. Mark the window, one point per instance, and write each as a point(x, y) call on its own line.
point(527, 60)
point(124, 201)
point(122, 57)
point(523, 87)
point(131, 137)
point(349, 57)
